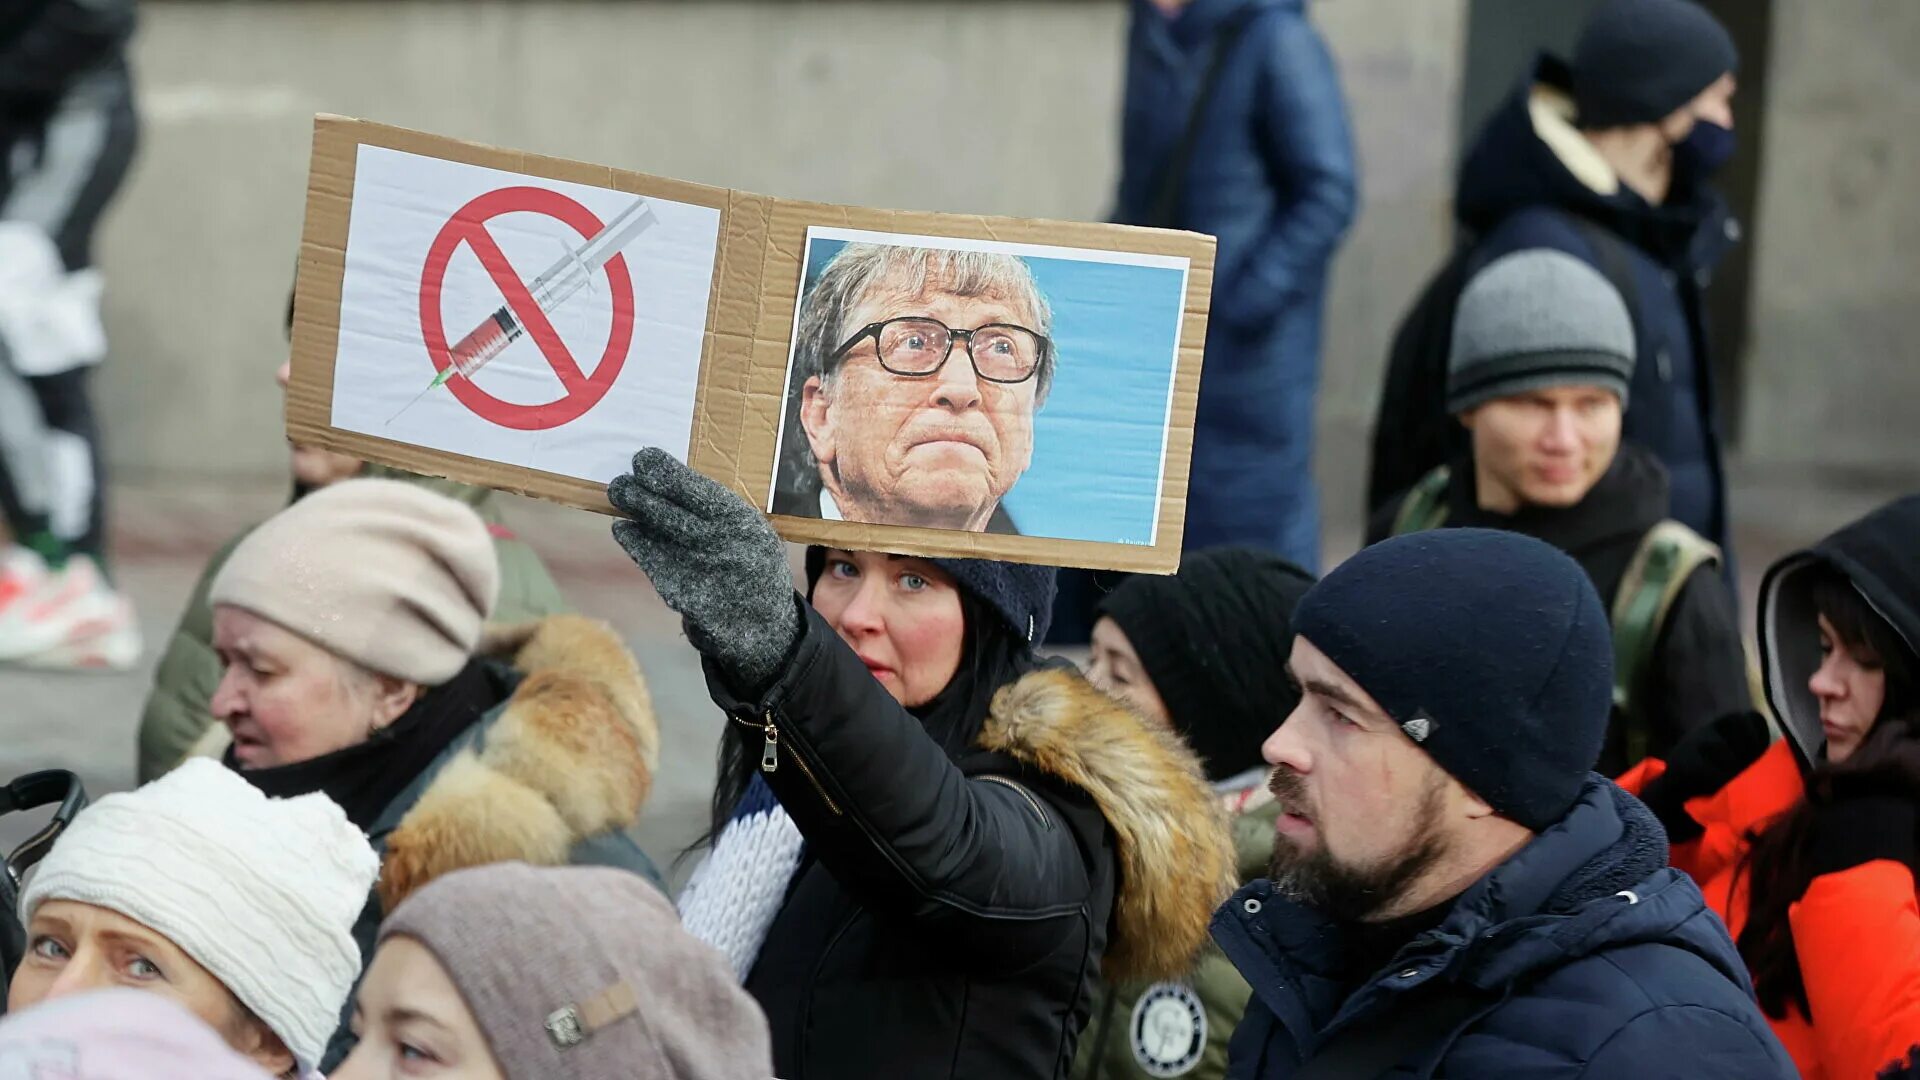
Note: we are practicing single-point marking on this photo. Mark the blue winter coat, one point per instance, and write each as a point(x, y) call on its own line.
point(1272, 176)
point(1516, 192)
point(1598, 960)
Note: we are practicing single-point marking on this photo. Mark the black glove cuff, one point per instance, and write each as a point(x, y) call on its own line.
point(1668, 800)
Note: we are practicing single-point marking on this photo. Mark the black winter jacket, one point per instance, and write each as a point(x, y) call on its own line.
point(1699, 668)
point(951, 912)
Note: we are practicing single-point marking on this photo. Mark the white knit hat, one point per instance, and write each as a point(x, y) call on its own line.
point(261, 892)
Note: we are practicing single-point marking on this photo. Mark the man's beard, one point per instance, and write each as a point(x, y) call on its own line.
point(1345, 891)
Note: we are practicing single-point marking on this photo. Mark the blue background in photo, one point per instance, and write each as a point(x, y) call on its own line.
point(1096, 453)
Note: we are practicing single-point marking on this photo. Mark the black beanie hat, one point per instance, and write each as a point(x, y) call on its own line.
point(1214, 639)
point(1639, 60)
point(1022, 595)
point(1489, 648)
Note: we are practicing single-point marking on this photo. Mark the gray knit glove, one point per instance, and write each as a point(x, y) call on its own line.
point(714, 560)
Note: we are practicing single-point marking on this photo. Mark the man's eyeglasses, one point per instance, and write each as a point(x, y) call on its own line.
point(916, 347)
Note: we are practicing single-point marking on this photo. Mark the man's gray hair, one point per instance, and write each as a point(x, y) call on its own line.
point(861, 269)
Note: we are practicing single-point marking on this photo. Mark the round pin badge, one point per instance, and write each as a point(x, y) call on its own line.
point(1169, 1029)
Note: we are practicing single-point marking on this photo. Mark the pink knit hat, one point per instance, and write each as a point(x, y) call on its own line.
point(584, 973)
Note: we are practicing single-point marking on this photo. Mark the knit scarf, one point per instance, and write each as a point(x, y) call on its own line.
point(735, 892)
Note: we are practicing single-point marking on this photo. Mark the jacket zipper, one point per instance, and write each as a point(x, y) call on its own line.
point(1033, 803)
point(770, 756)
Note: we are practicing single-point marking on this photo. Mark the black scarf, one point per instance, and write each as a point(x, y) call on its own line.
point(365, 778)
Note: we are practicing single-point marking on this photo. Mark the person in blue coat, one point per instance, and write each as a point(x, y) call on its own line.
point(1269, 170)
point(1608, 158)
point(1452, 891)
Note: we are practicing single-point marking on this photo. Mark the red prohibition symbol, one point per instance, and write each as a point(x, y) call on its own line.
point(469, 226)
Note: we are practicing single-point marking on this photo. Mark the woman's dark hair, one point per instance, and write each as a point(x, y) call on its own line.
point(991, 656)
point(1779, 863)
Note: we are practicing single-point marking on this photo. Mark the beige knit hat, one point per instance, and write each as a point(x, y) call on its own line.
point(383, 573)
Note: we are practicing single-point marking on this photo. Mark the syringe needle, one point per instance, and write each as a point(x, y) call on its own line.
point(437, 381)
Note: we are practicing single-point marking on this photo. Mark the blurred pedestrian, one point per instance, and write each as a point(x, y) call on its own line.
point(200, 889)
point(1608, 158)
point(508, 972)
point(177, 719)
point(350, 625)
point(67, 134)
point(117, 1035)
point(1234, 124)
point(1807, 847)
point(1542, 359)
point(926, 842)
point(1450, 884)
point(1203, 652)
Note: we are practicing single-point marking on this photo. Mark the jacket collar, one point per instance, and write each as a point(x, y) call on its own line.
point(570, 755)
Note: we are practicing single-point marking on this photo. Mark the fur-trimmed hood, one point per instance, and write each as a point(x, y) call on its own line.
point(569, 756)
point(1174, 849)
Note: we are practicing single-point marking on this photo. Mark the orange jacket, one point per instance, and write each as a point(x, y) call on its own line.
point(1856, 932)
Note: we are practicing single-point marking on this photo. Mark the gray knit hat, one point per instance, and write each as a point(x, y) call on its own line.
point(1534, 319)
point(584, 973)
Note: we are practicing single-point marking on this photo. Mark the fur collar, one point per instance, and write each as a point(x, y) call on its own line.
point(569, 756)
point(1175, 855)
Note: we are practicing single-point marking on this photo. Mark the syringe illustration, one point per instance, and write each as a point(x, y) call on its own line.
point(551, 289)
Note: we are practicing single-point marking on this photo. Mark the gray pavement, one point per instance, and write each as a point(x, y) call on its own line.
point(87, 722)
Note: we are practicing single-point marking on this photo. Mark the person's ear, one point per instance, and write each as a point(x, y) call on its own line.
point(392, 698)
point(257, 1043)
point(816, 416)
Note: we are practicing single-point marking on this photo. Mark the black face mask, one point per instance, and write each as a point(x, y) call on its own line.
point(1705, 150)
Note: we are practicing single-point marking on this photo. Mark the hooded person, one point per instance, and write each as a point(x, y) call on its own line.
point(926, 841)
point(1607, 155)
point(117, 1035)
point(1452, 891)
point(1203, 652)
point(200, 889)
point(1539, 376)
point(358, 664)
point(1806, 846)
point(512, 972)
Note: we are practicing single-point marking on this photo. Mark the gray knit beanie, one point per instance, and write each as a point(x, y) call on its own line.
point(1534, 319)
point(389, 575)
point(584, 973)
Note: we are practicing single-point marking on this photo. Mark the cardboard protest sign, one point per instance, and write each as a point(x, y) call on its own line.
point(928, 384)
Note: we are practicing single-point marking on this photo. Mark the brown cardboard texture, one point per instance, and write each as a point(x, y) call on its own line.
point(778, 420)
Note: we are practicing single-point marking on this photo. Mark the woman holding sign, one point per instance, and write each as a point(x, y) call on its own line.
point(926, 841)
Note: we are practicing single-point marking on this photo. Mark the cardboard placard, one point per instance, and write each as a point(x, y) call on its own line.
point(920, 383)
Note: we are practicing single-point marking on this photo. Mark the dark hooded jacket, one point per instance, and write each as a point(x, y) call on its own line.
point(1698, 672)
point(962, 887)
point(1524, 183)
point(1594, 959)
point(1272, 175)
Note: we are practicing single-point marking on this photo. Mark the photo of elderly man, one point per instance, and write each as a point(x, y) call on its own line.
point(915, 376)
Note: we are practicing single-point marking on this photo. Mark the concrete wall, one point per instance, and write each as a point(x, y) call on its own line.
point(788, 98)
point(1834, 367)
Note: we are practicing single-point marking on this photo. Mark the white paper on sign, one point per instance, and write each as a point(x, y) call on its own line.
point(602, 305)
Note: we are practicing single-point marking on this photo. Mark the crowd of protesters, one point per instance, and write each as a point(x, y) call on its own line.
point(1501, 795)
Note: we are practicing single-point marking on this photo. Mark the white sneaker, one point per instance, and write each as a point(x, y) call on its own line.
point(22, 573)
point(73, 621)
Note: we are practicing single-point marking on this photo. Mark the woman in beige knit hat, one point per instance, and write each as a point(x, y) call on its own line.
point(352, 630)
